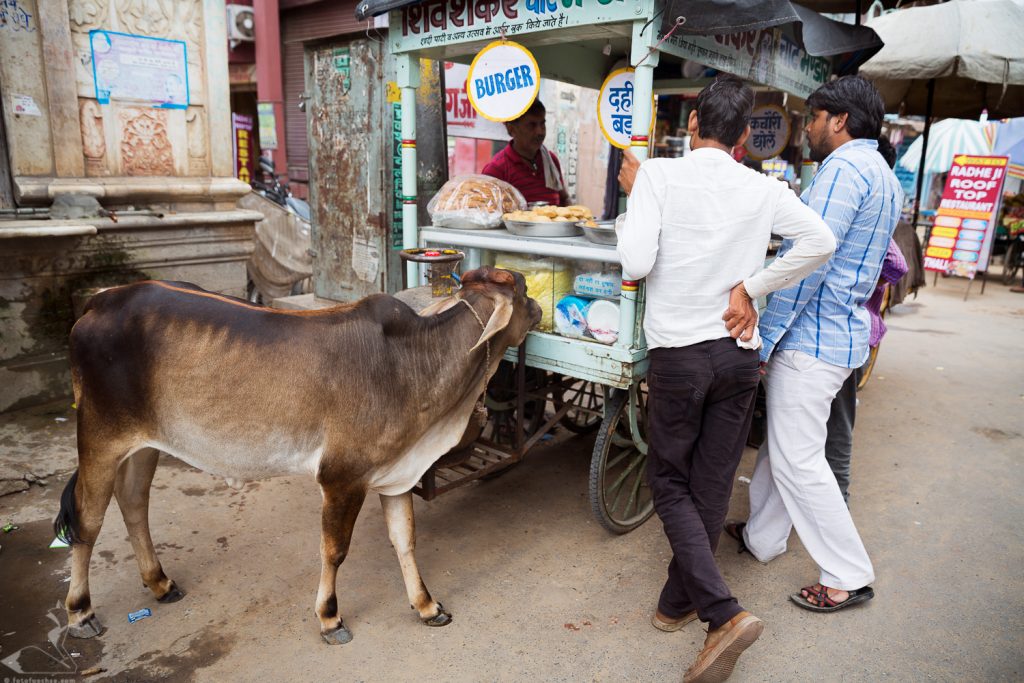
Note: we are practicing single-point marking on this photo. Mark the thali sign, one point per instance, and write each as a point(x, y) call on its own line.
point(503, 81)
point(769, 132)
point(961, 239)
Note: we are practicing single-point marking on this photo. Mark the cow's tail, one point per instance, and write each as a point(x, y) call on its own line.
point(65, 525)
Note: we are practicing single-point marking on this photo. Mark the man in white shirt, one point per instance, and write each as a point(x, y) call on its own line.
point(698, 228)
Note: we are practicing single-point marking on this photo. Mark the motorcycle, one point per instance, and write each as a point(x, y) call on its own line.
point(281, 263)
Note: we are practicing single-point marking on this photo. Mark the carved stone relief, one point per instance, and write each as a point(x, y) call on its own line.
point(86, 15)
point(198, 149)
point(94, 141)
point(145, 143)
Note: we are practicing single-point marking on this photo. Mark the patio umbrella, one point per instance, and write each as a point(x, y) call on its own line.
point(1010, 142)
point(954, 59)
point(949, 137)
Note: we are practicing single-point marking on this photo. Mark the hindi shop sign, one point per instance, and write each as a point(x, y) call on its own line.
point(615, 108)
point(767, 56)
point(769, 132)
point(960, 241)
point(503, 81)
point(438, 23)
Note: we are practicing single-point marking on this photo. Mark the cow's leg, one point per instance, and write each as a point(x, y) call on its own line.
point(402, 532)
point(338, 517)
point(132, 487)
point(97, 470)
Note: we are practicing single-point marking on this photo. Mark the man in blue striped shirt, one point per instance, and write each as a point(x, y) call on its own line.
point(815, 333)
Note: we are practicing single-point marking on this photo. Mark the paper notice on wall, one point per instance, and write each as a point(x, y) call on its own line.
point(365, 258)
point(25, 105)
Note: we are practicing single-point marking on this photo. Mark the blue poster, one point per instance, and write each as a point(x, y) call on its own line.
point(140, 69)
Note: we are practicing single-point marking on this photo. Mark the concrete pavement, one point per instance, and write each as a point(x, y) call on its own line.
point(537, 588)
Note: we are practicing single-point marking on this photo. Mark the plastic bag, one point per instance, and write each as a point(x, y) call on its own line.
point(547, 281)
point(474, 202)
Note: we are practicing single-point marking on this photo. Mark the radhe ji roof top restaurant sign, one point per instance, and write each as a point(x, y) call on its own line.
point(503, 81)
point(961, 238)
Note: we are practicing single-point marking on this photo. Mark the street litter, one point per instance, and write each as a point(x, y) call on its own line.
point(141, 614)
point(93, 671)
point(743, 480)
point(9, 527)
point(60, 419)
point(58, 542)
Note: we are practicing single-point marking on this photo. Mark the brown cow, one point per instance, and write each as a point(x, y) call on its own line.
point(365, 397)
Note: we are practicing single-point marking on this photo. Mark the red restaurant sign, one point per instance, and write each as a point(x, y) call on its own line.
point(961, 239)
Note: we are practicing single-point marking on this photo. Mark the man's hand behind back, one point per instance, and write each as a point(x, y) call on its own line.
point(741, 316)
point(627, 174)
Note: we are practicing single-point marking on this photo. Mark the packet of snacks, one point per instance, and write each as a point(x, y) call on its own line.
point(474, 202)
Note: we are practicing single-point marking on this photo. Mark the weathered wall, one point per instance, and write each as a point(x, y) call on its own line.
point(177, 161)
point(75, 136)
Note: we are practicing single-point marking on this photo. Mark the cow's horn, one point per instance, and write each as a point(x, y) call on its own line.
point(498, 320)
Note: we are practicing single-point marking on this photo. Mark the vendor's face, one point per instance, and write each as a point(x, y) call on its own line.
point(528, 131)
point(820, 130)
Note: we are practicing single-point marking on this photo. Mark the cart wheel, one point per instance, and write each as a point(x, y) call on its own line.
point(1011, 261)
point(619, 495)
point(589, 399)
point(865, 371)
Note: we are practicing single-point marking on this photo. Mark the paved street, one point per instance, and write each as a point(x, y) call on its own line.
point(538, 590)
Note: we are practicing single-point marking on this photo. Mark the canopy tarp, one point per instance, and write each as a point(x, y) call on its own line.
point(974, 49)
point(819, 36)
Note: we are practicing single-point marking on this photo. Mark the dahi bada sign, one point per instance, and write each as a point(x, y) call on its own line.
point(961, 239)
point(503, 81)
point(615, 108)
point(769, 132)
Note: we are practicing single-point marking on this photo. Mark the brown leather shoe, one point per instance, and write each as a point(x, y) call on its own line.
point(723, 647)
point(663, 623)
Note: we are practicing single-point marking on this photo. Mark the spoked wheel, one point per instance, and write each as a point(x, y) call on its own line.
point(619, 495)
point(501, 404)
point(588, 404)
point(1012, 260)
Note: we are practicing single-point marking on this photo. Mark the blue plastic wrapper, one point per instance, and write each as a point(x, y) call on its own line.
point(141, 614)
point(571, 316)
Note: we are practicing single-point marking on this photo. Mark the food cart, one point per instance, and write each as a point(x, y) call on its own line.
point(592, 385)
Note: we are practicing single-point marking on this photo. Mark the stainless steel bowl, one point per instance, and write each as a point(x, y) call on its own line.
point(604, 233)
point(545, 229)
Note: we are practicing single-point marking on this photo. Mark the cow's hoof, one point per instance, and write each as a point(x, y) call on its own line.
point(87, 628)
point(338, 636)
point(173, 595)
point(443, 618)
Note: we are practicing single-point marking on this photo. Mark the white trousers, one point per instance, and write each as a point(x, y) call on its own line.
point(793, 485)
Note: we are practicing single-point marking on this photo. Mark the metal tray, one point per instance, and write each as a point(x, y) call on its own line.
point(604, 233)
point(552, 229)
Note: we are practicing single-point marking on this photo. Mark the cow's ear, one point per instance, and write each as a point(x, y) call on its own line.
point(498, 320)
point(496, 276)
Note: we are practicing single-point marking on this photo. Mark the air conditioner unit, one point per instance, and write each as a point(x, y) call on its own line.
point(241, 23)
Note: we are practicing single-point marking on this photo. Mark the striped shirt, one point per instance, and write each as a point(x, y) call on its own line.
point(528, 178)
point(824, 316)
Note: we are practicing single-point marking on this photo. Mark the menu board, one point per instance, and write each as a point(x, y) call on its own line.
point(960, 241)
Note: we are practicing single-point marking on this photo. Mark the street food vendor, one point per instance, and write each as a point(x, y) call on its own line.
point(526, 163)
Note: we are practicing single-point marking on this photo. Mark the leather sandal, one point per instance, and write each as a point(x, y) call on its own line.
point(824, 603)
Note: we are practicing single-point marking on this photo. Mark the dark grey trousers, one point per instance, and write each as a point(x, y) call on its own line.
point(839, 444)
point(699, 409)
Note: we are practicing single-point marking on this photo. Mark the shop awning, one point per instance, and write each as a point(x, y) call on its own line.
point(819, 36)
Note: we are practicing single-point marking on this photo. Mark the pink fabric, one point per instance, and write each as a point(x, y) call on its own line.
point(894, 267)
